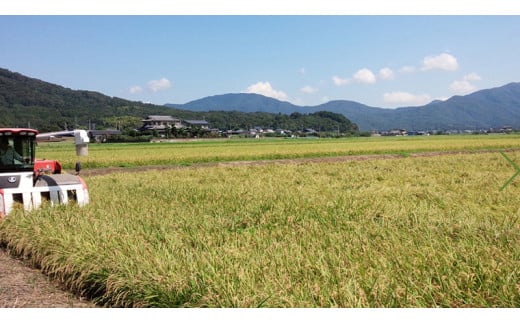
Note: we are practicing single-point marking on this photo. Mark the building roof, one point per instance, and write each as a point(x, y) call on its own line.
point(160, 118)
point(196, 122)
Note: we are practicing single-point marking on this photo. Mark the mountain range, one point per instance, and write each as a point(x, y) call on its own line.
point(26, 101)
point(484, 109)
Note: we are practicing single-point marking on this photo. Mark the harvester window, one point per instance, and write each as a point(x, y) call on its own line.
point(16, 151)
point(25, 147)
point(8, 155)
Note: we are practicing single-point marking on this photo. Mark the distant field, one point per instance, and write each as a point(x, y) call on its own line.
point(186, 153)
point(408, 232)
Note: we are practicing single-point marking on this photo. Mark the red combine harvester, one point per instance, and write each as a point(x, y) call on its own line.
point(29, 181)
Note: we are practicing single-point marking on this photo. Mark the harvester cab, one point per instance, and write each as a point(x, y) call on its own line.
point(27, 181)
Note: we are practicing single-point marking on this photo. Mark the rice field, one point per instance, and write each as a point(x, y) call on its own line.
point(195, 152)
point(409, 232)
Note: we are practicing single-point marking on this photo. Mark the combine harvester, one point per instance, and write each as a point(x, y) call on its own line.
point(29, 181)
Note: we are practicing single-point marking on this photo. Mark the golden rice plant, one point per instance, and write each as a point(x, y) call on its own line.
point(409, 232)
point(188, 153)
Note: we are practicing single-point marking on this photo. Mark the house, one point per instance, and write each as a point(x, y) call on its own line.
point(168, 125)
point(160, 124)
point(395, 132)
point(203, 124)
point(102, 135)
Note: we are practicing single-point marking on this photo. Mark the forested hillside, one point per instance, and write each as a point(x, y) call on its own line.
point(29, 102)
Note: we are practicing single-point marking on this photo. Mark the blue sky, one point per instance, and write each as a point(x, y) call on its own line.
point(388, 60)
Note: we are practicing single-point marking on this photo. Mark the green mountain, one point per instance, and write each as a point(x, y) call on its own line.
point(491, 108)
point(243, 102)
point(29, 102)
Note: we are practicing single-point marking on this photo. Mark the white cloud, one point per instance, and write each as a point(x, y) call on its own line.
point(472, 77)
point(308, 89)
point(406, 98)
point(465, 86)
point(265, 88)
point(303, 71)
point(407, 69)
point(159, 85)
point(136, 89)
point(365, 75)
point(386, 74)
point(338, 81)
point(462, 87)
point(445, 62)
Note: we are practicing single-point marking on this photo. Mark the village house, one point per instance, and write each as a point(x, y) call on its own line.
point(161, 124)
point(203, 124)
